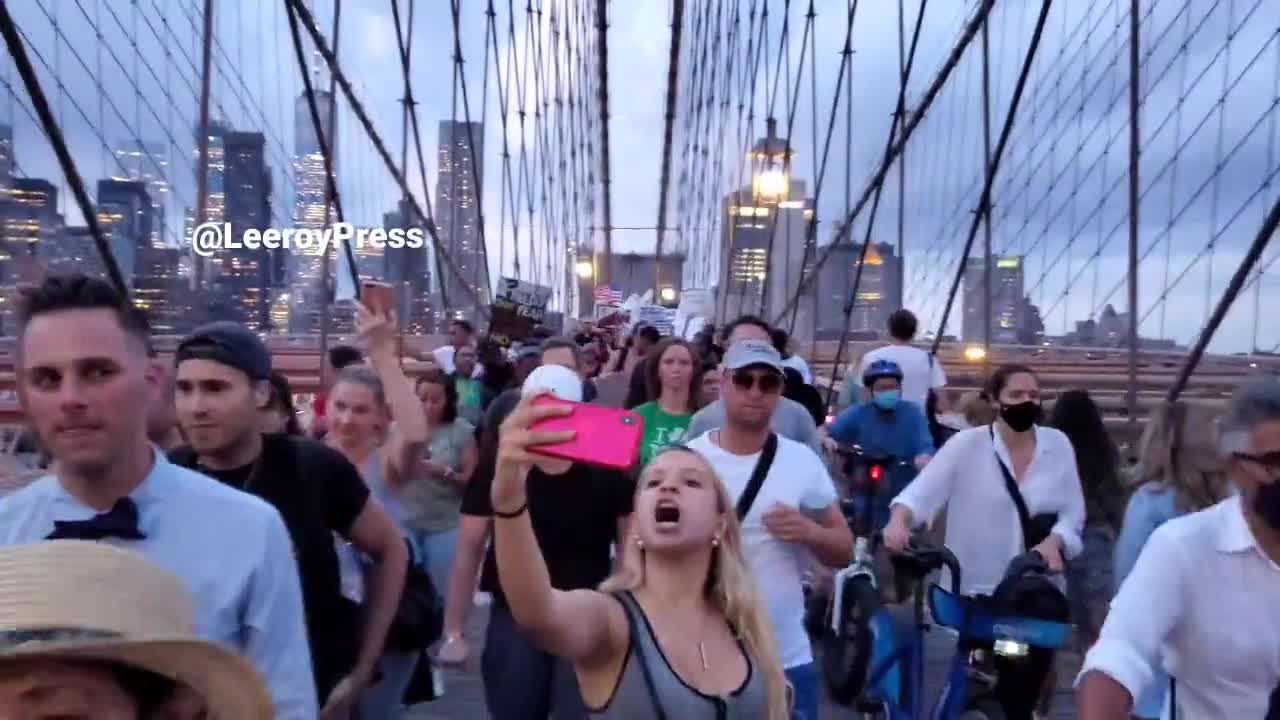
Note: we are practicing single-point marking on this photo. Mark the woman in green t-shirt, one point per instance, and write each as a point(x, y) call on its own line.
point(671, 373)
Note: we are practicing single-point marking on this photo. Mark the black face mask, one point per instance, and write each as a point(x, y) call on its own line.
point(1266, 502)
point(1022, 416)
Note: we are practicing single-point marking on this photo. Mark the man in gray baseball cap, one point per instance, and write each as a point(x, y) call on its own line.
point(790, 418)
point(753, 353)
point(785, 499)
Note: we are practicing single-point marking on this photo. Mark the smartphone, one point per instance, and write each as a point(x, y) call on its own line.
point(378, 297)
point(604, 437)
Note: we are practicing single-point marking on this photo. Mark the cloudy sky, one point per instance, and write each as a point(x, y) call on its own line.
point(1209, 126)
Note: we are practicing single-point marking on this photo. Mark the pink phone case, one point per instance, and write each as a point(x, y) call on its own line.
point(605, 437)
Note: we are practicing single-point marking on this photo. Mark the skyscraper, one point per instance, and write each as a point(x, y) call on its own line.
point(28, 216)
point(205, 269)
point(879, 288)
point(1007, 299)
point(307, 297)
point(459, 179)
point(409, 271)
point(127, 215)
point(248, 274)
point(148, 162)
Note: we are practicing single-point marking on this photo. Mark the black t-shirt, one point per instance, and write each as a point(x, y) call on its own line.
point(317, 492)
point(575, 519)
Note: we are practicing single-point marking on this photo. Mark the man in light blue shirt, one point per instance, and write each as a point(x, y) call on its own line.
point(85, 383)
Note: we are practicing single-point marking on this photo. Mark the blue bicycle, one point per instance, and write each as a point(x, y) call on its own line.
point(1001, 658)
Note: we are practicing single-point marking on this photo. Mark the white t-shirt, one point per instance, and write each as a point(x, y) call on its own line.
point(917, 376)
point(797, 479)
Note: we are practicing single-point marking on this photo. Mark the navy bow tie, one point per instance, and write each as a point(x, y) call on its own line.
point(121, 521)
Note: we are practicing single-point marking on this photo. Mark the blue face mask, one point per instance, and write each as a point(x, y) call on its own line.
point(887, 399)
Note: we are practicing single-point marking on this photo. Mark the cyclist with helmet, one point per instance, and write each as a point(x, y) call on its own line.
point(888, 426)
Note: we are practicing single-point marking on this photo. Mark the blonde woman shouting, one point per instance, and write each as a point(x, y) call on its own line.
point(643, 646)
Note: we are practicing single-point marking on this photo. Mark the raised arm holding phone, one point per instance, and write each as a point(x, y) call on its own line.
point(577, 512)
point(716, 644)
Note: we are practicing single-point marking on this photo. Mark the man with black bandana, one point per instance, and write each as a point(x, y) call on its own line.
point(1201, 600)
point(222, 382)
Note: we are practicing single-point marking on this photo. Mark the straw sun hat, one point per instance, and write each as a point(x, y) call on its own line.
point(76, 600)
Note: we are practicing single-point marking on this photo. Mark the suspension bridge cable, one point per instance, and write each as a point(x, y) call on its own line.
point(1228, 297)
point(899, 116)
point(428, 219)
point(330, 181)
point(787, 151)
point(602, 64)
point(308, 22)
point(957, 51)
point(477, 188)
point(811, 227)
point(984, 202)
point(755, 54)
point(673, 76)
point(18, 51)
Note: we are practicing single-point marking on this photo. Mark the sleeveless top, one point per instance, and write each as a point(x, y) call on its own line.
point(663, 695)
point(351, 562)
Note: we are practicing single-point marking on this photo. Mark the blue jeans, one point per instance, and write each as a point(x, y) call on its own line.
point(382, 699)
point(805, 693)
point(434, 551)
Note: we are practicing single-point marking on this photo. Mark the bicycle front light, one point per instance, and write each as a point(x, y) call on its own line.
point(1011, 648)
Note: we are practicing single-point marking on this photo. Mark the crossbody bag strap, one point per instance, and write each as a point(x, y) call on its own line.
point(631, 608)
point(758, 475)
point(1011, 485)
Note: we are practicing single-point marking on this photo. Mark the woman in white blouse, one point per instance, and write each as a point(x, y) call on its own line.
point(983, 527)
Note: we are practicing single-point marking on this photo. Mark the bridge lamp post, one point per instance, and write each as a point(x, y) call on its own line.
point(586, 271)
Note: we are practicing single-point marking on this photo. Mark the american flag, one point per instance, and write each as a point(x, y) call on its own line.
point(608, 295)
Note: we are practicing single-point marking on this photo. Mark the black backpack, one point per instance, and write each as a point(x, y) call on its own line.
point(1027, 591)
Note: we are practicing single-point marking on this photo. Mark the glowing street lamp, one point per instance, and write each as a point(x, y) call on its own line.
point(585, 270)
point(770, 179)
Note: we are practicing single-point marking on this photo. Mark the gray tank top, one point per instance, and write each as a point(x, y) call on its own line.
point(662, 695)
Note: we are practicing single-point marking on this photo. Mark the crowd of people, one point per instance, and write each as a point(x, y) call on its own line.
point(194, 543)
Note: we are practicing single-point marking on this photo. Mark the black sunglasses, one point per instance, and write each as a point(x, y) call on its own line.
point(768, 382)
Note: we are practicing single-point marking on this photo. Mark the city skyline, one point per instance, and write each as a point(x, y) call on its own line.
point(257, 83)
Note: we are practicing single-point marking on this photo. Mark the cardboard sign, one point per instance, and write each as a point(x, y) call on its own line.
point(517, 307)
point(507, 325)
point(529, 300)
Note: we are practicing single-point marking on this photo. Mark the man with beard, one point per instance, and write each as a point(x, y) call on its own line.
point(223, 372)
point(793, 512)
point(86, 386)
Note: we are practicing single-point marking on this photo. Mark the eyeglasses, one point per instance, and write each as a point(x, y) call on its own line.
point(768, 382)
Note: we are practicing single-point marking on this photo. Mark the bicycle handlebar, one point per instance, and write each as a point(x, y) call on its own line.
point(925, 552)
point(857, 452)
